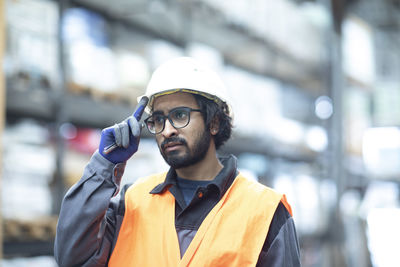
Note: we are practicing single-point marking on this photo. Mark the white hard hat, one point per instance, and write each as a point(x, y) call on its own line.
point(184, 74)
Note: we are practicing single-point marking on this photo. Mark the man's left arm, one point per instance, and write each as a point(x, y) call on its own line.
point(281, 247)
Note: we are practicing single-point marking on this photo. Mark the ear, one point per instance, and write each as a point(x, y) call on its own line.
point(214, 126)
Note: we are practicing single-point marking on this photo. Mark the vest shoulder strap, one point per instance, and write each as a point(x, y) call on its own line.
point(234, 231)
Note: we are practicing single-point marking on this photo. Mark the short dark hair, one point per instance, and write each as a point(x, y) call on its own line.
point(212, 111)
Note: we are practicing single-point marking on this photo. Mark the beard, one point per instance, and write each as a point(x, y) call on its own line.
point(191, 155)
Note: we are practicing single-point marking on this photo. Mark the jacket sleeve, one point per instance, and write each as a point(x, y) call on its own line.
point(89, 216)
point(281, 247)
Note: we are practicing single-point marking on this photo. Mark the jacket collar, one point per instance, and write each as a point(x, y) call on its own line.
point(222, 181)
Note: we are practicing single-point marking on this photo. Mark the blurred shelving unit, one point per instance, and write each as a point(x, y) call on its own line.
point(39, 104)
point(238, 44)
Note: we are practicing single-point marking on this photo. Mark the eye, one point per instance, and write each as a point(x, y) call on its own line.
point(180, 114)
point(158, 119)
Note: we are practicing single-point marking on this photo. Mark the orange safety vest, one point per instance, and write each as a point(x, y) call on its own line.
point(232, 234)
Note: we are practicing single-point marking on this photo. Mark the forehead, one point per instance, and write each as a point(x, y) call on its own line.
point(170, 101)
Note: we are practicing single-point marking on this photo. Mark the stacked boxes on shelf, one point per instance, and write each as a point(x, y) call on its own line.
point(32, 47)
point(28, 168)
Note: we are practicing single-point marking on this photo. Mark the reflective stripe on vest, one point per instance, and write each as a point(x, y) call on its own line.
point(232, 234)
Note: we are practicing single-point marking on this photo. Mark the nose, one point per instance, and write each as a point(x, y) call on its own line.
point(169, 130)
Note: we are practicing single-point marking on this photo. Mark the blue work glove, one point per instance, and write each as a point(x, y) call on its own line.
point(119, 142)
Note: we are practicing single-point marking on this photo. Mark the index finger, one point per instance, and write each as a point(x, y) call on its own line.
point(140, 108)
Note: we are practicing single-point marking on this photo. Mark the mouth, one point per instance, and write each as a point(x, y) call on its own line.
point(171, 146)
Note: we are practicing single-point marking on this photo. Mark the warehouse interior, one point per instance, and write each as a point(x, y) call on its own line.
point(315, 89)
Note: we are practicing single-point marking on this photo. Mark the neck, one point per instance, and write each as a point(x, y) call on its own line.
point(206, 169)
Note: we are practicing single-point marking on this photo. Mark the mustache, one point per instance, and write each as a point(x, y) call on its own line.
point(173, 139)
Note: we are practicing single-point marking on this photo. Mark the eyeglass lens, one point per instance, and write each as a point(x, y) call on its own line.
point(178, 117)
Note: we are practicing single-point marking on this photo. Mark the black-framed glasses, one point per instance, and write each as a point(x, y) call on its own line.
point(179, 117)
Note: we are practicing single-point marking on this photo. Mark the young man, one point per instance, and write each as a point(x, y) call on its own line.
point(202, 212)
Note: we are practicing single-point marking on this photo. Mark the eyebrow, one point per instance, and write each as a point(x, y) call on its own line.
point(157, 112)
point(162, 112)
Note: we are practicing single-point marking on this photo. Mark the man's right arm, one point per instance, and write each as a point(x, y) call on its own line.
point(89, 217)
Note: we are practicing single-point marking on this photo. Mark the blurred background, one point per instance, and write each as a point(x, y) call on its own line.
point(315, 87)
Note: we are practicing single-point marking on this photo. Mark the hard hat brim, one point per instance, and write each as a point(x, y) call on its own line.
point(184, 90)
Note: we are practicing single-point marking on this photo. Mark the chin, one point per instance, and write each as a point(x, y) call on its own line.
point(176, 161)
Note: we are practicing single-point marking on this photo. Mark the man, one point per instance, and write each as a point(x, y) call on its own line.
point(202, 212)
